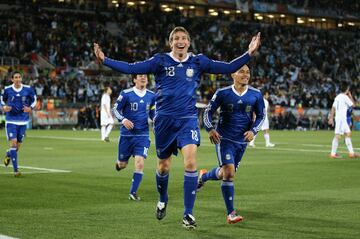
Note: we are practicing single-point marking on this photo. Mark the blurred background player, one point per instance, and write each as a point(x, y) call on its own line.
point(177, 77)
point(238, 103)
point(106, 119)
point(340, 107)
point(265, 126)
point(17, 101)
point(133, 108)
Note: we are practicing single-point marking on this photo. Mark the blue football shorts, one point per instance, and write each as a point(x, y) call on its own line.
point(14, 131)
point(173, 133)
point(229, 152)
point(133, 146)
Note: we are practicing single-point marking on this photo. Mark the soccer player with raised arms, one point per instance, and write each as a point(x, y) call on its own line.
point(133, 107)
point(236, 127)
point(177, 77)
point(17, 101)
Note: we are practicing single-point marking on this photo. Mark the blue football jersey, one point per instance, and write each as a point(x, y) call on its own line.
point(17, 99)
point(236, 112)
point(177, 82)
point(136, 108)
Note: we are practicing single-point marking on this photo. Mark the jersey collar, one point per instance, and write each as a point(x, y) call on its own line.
point(173, 57)
point(17, 89)
point(237, 93)
point(140, 93)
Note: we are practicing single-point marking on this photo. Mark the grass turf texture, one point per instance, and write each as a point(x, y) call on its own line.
point(291, 191)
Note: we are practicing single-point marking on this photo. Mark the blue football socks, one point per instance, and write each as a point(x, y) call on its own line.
point(13, 156)
point(211, 175)
point(136, 180)
point(190, 185)
point(162, 185)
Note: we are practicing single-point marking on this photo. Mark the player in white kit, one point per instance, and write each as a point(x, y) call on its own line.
point(106, 119)
point(342, 103)
point(265, 126)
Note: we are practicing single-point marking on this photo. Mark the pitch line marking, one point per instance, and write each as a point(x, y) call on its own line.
point(42, 170)
point(7, 237)
point(207, 145)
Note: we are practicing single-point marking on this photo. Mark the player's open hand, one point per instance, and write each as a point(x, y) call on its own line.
point(128, 124)
point(254, 44)
point(331, 122)
point(27, 109)
point(249, 136)
point(99, 53)
point(214, 137)
point(7, 108)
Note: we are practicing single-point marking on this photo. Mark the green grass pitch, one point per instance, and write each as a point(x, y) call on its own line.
point(291, 191)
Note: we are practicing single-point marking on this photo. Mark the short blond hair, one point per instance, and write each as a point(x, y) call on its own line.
point(178, 29)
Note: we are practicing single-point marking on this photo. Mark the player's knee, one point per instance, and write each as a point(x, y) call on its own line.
point(190, 165)
point(228, 172)
point(163, 166)
point(229, 176)
point(139, 166)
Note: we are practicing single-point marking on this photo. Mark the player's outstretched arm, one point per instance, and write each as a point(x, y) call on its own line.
point(140, 67)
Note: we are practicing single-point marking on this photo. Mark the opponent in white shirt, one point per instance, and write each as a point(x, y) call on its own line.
point(106, 119)
point(265, 126)
point(342, 103)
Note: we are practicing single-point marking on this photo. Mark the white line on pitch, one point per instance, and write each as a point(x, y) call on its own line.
point(207, 145)
point(6, 237)
point(43, 169)
point(65, 138)
point(30, 172)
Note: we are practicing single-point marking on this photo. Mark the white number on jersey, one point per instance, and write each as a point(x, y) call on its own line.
point(170, 71)
point(194, 135)
point(134, 106)
point(146, 151)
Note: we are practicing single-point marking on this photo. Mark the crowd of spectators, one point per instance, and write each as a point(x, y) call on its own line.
point(338, 7)
point(301, 67)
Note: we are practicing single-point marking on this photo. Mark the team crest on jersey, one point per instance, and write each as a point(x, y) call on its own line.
point(189, 72)
point(248, 108)
point(147, 107)
point(228, 157)
point(23, 99)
